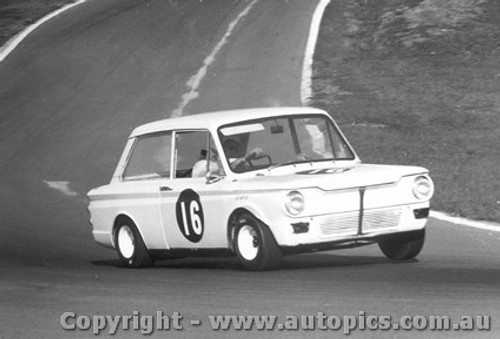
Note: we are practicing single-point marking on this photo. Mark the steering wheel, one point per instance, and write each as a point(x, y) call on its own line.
point(236, 164)
point(268, 157)
point(245, 160)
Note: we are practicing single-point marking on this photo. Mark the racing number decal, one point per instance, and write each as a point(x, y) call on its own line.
point(189, 213)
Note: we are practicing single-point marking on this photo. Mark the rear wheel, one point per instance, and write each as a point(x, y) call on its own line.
point(130, 246)
point(404, 246)
point(255, 245)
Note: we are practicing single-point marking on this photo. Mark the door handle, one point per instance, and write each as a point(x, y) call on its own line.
point(165, 188)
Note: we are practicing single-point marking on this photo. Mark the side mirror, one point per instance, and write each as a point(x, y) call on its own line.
point(277, 129)
point(213, 177)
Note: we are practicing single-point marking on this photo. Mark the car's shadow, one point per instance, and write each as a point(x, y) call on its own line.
point(292, 262)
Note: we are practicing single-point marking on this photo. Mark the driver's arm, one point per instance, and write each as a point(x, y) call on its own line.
point(254, 154)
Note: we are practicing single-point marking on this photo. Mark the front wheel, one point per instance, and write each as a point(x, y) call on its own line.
point(255, 245)
point(403, 246)
point(130, 246)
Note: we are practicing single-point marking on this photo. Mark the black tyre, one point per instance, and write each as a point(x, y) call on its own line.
point(404, 246)
point(255, 245)
point(130, 246)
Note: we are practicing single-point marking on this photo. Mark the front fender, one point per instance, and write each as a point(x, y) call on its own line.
point(257, 212)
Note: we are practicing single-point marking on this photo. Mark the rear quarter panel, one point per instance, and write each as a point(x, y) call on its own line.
point(137, 201)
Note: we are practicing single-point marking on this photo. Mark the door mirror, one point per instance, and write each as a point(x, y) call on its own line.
point(213, 177)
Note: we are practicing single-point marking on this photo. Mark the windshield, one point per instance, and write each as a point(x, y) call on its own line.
point(278, 141)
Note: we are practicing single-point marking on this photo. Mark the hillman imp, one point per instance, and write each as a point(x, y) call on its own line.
point(258, 184)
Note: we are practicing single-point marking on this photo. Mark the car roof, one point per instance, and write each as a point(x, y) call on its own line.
point(213, 120)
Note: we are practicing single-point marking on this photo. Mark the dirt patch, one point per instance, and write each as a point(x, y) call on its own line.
point(418, 82)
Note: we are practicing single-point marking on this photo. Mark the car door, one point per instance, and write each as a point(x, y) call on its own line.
point(193, 210)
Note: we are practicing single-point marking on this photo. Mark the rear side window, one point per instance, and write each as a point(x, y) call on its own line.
point(150, 157)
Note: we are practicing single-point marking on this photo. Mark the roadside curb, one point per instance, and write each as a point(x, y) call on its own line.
point(12, 43)
point(306, 78)
point(483, 225)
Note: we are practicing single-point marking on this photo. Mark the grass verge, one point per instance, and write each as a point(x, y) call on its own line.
point(418, 82)
point(15, 15)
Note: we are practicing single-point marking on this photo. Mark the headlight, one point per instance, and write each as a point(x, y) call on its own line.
point(294, 204)
point(423, 188)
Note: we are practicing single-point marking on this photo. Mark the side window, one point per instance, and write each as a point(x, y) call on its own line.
point(150, 157)
point(341, 149)
point(190, 152)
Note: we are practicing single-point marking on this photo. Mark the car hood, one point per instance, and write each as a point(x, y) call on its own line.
point(330, 178)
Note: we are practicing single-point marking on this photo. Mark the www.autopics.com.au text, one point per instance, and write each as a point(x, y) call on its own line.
point(161, 321)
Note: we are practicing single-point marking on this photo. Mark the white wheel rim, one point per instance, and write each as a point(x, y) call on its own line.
point(126, 242)
point(247, 243)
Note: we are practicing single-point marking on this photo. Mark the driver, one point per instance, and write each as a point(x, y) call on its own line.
point(200, 167)
point(232, 150)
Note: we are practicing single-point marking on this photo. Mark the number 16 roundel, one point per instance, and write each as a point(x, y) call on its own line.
point(189, 213)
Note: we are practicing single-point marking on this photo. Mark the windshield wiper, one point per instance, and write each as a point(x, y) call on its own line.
point(306, 160)
point(281, 165)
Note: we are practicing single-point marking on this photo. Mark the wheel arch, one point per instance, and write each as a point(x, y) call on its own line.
point(121, 217)
point(231, 222)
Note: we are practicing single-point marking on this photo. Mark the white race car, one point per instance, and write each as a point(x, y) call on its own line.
point(255, 183)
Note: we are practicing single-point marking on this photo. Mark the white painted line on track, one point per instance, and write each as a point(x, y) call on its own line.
point(482, 225)
point(194, 82)
point(305, 88)
point(61, 186)
point(10, 45)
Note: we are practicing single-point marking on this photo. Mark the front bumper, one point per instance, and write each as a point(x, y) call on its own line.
point(350, 227)
point(360, 240)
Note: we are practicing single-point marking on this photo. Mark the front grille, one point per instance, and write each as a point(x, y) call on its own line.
point(341, 223)
point(374, 220)
point(347, 223)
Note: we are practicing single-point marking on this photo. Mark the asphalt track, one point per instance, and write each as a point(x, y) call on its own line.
point(69, 96)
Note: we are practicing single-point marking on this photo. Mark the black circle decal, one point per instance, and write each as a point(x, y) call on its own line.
point(189, 213)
